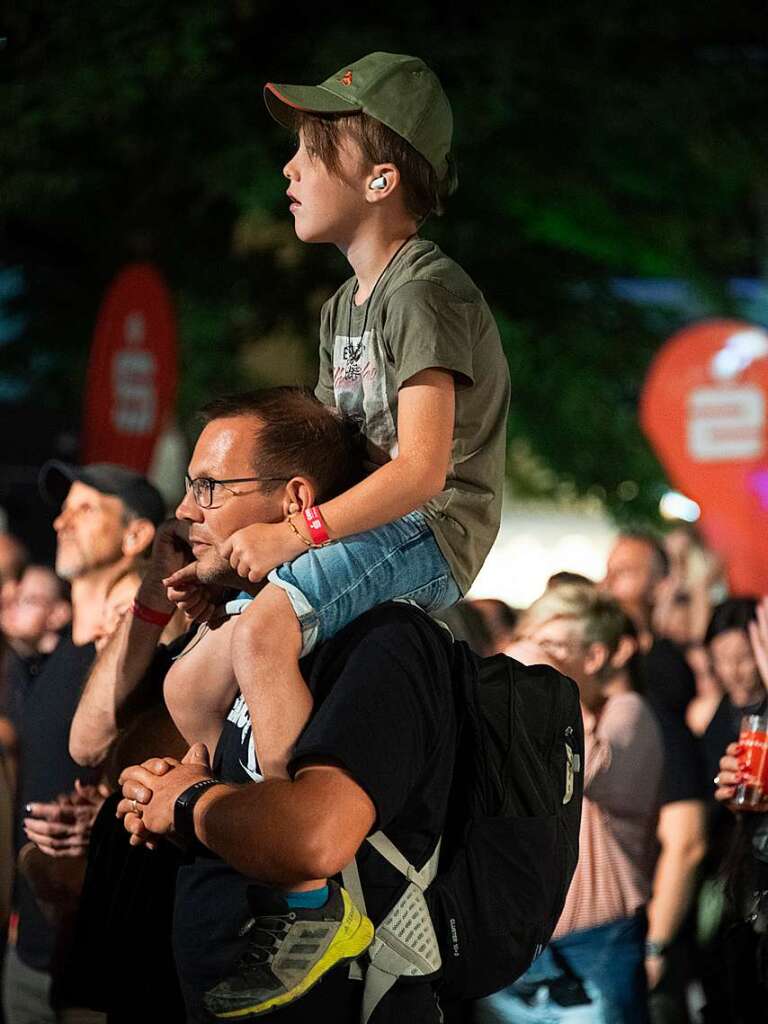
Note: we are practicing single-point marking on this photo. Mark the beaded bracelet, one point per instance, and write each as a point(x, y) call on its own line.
point(302, 538)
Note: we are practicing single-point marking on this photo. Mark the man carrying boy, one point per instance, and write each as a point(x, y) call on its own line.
point(408, 348)
point(378, 752)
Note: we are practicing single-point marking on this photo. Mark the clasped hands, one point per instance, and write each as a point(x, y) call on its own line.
point(150, 791)
point(62, 827)
point(251, 552)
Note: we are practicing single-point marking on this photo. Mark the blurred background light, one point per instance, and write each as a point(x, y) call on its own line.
point(674, 505)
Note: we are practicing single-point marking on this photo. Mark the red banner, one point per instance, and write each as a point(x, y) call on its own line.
point(704, 410)
point(131, 387)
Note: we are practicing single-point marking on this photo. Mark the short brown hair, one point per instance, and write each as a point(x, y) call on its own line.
point(297, 436)
point(423, 193)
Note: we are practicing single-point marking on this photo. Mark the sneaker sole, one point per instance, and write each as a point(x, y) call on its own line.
point(348, 948)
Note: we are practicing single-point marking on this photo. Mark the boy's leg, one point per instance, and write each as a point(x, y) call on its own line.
point(306, 602)
point(311, 599)
point(295, 937)
point(265, 657)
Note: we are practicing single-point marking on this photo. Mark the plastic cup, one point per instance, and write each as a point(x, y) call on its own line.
point(753, 740)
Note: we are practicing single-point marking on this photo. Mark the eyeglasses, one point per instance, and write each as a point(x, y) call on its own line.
point(204, 487)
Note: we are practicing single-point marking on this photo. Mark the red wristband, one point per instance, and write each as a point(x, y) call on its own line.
point(317, 530)
point(151, 615)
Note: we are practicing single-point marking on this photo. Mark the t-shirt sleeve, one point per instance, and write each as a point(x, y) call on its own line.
point(324, 387)
point(383, 714)
point(426, 326)
point(624, 757)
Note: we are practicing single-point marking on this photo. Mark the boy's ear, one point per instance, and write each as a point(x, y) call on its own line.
point(375, 191)
point(299, 494)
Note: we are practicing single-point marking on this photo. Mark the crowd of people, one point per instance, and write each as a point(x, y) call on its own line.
point(649, 930)
point(235, 755)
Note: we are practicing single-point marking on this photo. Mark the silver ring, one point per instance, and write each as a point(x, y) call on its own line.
point(716, 781)
point(135, 808)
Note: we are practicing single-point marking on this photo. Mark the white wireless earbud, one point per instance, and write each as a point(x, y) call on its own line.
point(378, 183)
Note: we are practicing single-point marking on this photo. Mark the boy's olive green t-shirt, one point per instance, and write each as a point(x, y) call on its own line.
point(426, 312)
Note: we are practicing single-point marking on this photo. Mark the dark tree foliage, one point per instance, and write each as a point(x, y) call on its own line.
point(593, 141)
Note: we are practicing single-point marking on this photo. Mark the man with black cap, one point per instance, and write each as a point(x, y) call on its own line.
point(107, 521)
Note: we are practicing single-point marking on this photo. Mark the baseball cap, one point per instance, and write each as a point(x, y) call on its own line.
point(398, 90)
point(134, 490)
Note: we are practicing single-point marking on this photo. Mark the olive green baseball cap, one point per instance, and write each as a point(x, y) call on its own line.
point(400, 91)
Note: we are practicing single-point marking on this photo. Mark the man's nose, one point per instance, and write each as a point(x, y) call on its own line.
point(189, 509)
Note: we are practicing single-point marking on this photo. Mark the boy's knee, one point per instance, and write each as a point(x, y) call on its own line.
point(267, 625)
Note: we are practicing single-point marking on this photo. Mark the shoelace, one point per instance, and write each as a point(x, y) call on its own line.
point(264, 937)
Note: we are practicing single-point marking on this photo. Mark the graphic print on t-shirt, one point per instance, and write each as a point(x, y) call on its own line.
point(241, 719)
point(360, 389)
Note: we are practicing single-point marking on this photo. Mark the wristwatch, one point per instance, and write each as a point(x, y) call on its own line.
point(183, 809)
point(655, 948)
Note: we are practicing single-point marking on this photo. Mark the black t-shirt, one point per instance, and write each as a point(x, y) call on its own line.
point(669, 681)
point(683, 777)
point(46, 706)
point(384, 711)
point(18, 676)
point(126, 905)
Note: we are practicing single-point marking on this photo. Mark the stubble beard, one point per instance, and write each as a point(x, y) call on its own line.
point(214, 570)
point(71, 567)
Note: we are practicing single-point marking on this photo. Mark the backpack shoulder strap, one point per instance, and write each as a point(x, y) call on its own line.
point(387, 964)
point(384, 846)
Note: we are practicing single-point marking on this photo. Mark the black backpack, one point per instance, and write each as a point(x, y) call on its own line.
point(512, 838)
point(489, 899)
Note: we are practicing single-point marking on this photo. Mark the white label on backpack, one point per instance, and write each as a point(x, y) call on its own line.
point(570, 770)
point(454, 937)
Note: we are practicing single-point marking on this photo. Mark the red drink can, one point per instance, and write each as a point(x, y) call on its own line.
point(753, 740)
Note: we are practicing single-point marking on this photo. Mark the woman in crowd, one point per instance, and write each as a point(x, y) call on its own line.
point(596, 960)
point(735, 977)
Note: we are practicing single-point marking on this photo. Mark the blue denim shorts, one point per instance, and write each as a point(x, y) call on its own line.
point(329, 587)
point(608, 959)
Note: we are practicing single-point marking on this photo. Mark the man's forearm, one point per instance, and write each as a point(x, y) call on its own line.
point(113, 680)
point(285, 832)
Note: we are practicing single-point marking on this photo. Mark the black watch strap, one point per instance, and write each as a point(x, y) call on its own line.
point(183, 809)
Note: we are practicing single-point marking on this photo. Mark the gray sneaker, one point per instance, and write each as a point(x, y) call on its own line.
point(289, 950)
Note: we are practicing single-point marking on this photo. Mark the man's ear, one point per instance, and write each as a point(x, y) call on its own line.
point(391, 177)
point(299, 494)
point(596, 658)
point(138, 537)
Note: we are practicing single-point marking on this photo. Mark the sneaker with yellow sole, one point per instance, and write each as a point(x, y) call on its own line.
point(289, 950)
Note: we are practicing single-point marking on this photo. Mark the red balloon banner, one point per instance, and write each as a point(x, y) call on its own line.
point(132, 372)
point(703, 409)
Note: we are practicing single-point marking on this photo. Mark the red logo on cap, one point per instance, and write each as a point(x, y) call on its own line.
point(346, 78)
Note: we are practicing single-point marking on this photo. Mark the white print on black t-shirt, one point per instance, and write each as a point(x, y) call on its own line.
point(241, 719)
